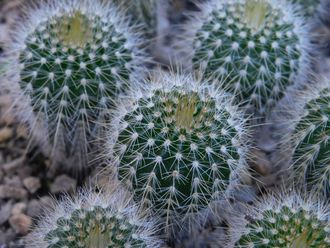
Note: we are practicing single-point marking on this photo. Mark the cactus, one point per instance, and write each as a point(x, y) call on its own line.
point(75, 59)
point(288, 221)
point(178, 144)
point(308, 6)
point(94, 220)
point(311, 136)
point(258, 45)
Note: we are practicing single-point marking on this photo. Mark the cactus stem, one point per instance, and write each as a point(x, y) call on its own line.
point(256, 14)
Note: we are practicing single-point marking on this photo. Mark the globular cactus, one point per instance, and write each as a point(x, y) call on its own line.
point(308, 7)
point(94, 220)
point(259, 46)
point(74, 58)
point(178, 144)
point(311, 158)
point(287, 221)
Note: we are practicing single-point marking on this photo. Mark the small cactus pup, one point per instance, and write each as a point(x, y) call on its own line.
point(308, 7)
point(94, 220)
point(311, 157)
point(75, 58)
point(178, 144)
point(287, 221)
point(260, 46)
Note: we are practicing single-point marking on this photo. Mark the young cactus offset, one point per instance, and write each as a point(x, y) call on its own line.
point(311, 157)
point(287, 221)
point(74, 58)
point(94, 220)
point(259, 46)
point(178, 144)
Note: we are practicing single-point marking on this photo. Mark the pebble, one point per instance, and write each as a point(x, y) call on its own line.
point(63, 183)
point(22, 132)
point(12, 166)
point(32, 184)
point(18, 208)
point(5, 134)
point(12, 192)
point(36, 207)
point(13, 181)
point(21, 223)
point(6, 236)
point(5, 211)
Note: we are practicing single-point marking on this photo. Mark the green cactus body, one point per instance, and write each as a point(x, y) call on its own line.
point(255, 45)
point(308, 6)
point(94, 220)
point(72, 66)
point(287, 226)
point(177, 148)
point(311, 156)
point(95, 228)
point(75, 60)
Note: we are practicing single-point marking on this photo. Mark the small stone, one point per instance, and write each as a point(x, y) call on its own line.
point(21, 223)
point(22, 132)
point(34, 208)
point(5, 210)
point(32, 184)
point(5, 134)
point(12, 166)
point(46, 201)
point(63, 183)
point(12, 192)
point(13, 181)
point(6, 237)
point(18, 208)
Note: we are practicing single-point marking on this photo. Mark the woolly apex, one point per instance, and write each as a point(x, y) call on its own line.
point(94, 220)
point(179, 144)
point(287, 220)
point(71, 60)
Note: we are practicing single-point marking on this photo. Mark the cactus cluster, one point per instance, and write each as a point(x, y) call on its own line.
point(256, 44)
point(178, 144)
point(311, 156)
point(75, 59)
point(95, 220)
point(288, 221)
